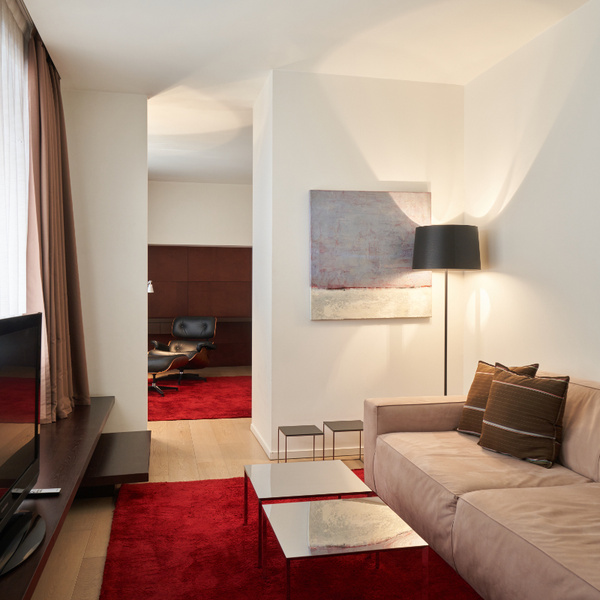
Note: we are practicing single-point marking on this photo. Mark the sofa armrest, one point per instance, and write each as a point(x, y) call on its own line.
point(412, 413)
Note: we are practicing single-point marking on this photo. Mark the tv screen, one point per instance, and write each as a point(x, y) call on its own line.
point(20, 342)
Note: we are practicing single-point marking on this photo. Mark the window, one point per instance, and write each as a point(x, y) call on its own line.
point(14, 158)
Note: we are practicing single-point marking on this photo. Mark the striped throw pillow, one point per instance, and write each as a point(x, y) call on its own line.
point(523, 417)
point(472, 414)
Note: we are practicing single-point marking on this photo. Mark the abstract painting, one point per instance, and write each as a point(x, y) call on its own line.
point(361, 255)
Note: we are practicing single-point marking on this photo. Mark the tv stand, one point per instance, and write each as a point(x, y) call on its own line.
point(66, 448)
point(24, 533)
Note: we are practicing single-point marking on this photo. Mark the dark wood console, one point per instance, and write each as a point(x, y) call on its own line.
point(66, 448)
point(119, 458)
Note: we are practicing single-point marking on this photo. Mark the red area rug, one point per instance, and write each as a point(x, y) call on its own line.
point(215, 398)
point(188, 540)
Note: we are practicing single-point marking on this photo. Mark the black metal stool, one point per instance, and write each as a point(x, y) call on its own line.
point(340, 426)
point(297, 431)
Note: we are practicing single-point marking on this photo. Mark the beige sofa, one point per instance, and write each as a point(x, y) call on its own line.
point(512, 529)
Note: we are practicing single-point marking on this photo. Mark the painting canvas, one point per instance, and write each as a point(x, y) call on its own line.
point(361, 255)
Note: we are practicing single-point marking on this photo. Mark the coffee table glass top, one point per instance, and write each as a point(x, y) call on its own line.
point(334, 527)
point(303, 479)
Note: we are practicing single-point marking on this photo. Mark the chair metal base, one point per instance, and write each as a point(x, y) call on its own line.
point(154, 386)
point(192, 376)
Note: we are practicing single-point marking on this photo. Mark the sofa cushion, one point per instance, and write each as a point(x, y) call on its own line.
point(472, 415)
point(523, 417)
point(530, 543)
point(580, 449)
point(416, 413)
point(420, 475)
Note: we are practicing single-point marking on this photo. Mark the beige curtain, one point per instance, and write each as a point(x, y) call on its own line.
point(53, 276)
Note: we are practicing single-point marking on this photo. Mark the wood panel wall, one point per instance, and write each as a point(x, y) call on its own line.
point(204, 281)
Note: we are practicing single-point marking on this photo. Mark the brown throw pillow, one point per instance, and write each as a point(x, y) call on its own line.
point(472, 414)
point(523, 417)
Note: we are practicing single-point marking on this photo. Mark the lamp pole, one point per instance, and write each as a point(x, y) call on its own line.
point(446, 332)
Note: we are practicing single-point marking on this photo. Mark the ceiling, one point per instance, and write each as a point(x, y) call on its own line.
point(202, 62)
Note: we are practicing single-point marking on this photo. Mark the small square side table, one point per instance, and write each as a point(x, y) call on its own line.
point(297, 431)
point(298, 530)
point(342, 426)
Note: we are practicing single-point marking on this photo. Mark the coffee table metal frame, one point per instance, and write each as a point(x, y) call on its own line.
point(343, 426)
point(297, 431)
point(288, 524)
point(298, 481)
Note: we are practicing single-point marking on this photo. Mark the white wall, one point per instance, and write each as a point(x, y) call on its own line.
point(199, 214)
point(532, 136)
point(107, 142)
point(262, 266)
point(331, 132)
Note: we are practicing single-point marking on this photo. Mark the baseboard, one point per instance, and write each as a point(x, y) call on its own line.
point(262, 442)
point(345, 452)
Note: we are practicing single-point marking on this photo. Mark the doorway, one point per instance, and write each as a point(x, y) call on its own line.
point(211, 281)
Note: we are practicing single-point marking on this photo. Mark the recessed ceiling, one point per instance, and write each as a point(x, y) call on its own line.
point(202, 62)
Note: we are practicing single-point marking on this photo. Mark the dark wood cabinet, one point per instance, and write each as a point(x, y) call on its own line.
point(204, 281)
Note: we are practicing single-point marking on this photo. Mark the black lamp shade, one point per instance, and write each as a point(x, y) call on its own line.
point(446, 247)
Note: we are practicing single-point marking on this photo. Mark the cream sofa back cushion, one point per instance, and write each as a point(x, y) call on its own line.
point(580, 450)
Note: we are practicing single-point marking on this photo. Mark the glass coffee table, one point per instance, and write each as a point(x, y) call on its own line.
point(289, 481)
point(335, 527)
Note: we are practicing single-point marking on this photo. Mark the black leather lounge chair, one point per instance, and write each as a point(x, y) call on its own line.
point(194, 337)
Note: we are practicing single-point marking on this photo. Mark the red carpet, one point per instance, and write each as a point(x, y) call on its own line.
point(188, 540)
point(215, 398)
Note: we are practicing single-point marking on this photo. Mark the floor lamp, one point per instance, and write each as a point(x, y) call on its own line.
point(446, 247)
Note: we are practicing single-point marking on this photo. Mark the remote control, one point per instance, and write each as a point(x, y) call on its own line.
point(38, 492)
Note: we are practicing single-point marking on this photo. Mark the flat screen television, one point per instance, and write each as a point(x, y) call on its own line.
point(20, 345)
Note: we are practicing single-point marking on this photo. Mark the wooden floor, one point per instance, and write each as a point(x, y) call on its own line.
point(181, 451)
